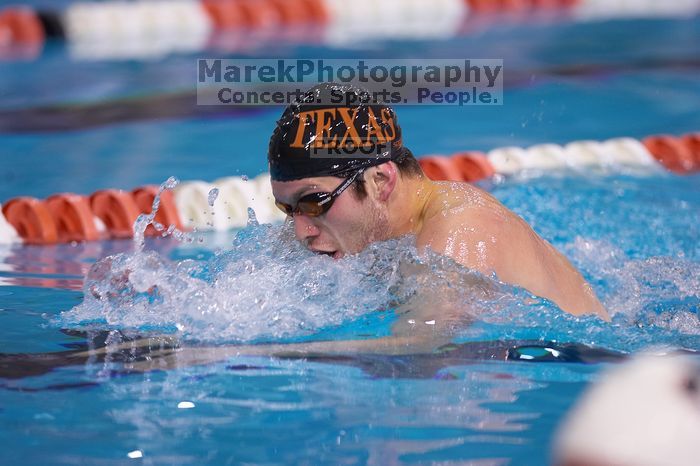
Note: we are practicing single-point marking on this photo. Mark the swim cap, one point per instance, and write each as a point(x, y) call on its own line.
point(333, 130)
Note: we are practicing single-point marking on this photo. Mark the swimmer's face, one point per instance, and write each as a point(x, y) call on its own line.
point(346, 228)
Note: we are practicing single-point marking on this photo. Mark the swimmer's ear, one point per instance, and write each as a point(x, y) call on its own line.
point(384, 178)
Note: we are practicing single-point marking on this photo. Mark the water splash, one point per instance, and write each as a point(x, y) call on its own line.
point(653, 301)
point(211, 197)
point(252, 218)
point(268, 286)
point(657, 291)
point(143, 220)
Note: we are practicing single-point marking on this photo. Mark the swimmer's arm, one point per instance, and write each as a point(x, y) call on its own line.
point(421, 327)
point(190, 356)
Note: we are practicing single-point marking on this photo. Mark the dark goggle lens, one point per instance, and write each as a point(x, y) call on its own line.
point(286, 208)
point(311, 205)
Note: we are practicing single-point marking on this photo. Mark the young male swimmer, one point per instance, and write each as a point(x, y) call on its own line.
point(341, 199)
point(340, 203)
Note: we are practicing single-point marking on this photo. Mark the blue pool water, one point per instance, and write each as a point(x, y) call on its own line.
point(635, 240)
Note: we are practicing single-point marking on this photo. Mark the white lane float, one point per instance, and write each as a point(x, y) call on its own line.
point(142, 29)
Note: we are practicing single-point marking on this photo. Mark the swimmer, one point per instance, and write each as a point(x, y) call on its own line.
point(341, 199)
point(345, 180)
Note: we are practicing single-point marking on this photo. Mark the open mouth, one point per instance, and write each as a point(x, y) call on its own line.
point(333, 254)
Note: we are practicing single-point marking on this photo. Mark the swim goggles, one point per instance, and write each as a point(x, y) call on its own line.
point(317, 204)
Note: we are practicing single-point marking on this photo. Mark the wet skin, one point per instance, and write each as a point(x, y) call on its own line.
point(454, 219)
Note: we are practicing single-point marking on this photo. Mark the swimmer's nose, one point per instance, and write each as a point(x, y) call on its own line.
point(304, 228)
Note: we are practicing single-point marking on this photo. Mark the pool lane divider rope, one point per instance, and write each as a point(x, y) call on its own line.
point(67, 217)
point(146, 28)
point(223, 204)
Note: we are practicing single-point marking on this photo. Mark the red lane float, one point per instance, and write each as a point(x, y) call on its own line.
point(21, 34)
point(260, 14)
point(462, 166)
point(692, 142)
point(232, 14)
point(31, 219)
point(117, 210)
point(316, 10)
point(497, 6)
point(23, 26)
point(167, 211)
point(555, 4)
point(473, 166)
point(70, 217)
point(507, 6)
point(225, 14)
point(291, 12)
point(73, 218)
point(20, 26)
point(673, 153)
point(439, 168)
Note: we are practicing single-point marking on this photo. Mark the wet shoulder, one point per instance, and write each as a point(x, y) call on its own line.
point(453, 200)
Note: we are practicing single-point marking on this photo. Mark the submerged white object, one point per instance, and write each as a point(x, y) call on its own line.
point(644, 413)
point(8, 234)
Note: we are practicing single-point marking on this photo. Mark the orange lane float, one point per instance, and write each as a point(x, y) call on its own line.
point(291, 12)
point(554, 4)
point(23, 26)
point(506, 6)
point(167, 210)
point(31, 219)
point(473, 166)
point(70, 217)
point(73, 218)
point(692, 142)
point(672, 152)
point(260, 14)
point(232, 14)
point(439, 168)
point(316, 10)
point(117, 210)
point(225, 14)
point(21, 34)
point(462, 166)
point(20, 26)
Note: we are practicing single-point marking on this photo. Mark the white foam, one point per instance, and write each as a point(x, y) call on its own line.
point(266, 286)
point(654, 292)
